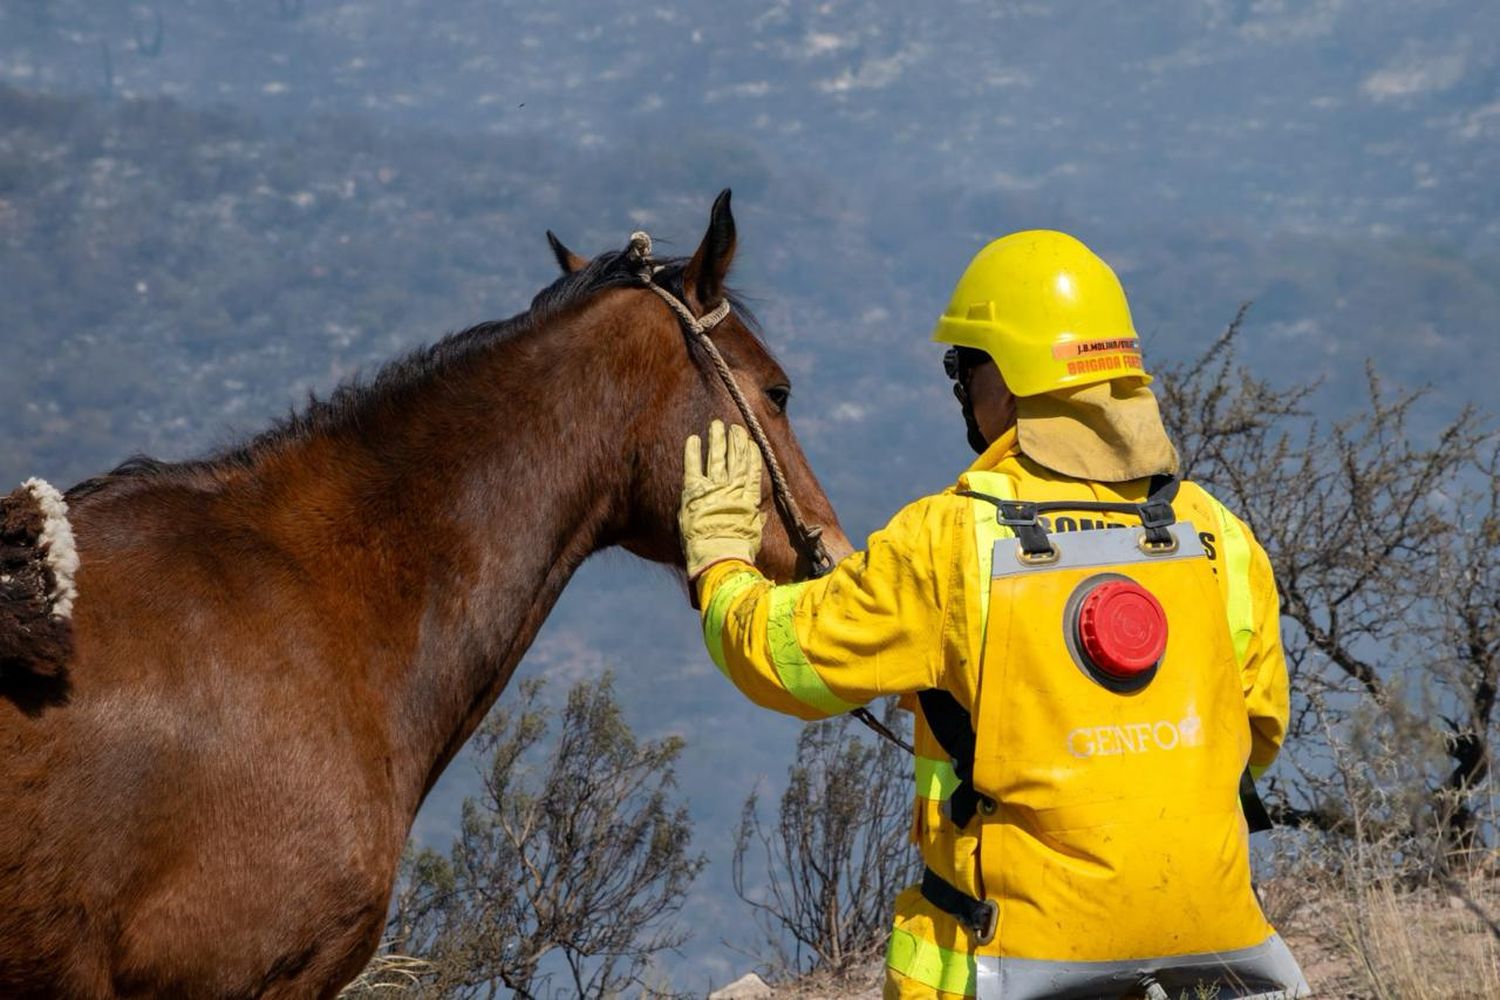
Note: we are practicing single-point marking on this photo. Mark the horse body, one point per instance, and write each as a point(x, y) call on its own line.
point(278, 651)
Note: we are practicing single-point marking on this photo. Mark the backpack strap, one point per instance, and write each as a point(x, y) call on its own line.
point(954, 732)
point(981, 917)
point(1023, 516)
point(1257, 817)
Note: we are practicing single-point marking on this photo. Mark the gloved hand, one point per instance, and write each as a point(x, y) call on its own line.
point(720, 516)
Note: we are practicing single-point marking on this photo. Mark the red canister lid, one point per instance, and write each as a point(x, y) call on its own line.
point(1122, 628)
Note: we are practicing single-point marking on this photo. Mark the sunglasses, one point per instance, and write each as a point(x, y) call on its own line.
point(950, 363)
point(956, 371)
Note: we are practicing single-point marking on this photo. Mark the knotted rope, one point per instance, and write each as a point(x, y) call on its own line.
point(808, 538)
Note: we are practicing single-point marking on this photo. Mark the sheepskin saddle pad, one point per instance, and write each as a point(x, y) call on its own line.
point(38, 564)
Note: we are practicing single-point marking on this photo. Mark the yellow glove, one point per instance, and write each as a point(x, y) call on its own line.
point(720, 516)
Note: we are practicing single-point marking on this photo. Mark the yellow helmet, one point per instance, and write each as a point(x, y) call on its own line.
point(1048, 310)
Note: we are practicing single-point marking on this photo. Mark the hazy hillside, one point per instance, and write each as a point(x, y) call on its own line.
point(1318, 113)
point(273, 203)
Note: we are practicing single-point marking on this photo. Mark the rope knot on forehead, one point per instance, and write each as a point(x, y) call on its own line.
point(638, 252)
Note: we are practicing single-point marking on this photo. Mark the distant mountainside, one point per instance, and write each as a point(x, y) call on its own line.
point(274, 202)
point(243, 263)
point(1379, 114)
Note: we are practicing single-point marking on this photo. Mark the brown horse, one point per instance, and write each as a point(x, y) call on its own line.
point(278, 650)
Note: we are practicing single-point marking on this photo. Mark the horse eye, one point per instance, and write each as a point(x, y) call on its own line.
point(779, 395)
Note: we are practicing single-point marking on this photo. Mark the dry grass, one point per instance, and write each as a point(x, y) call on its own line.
point(1417, 948)
point(387, 975)
point(861, 983)
point(1383, 941)
point(1367, 939)
point(1373, 941)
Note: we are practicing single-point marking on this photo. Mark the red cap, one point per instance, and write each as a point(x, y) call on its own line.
point(1122, 628)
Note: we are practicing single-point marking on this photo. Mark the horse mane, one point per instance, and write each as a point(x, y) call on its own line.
point(38, 563)
point(398, 379)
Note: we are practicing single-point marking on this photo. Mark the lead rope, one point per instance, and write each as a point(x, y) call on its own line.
point(808, 538)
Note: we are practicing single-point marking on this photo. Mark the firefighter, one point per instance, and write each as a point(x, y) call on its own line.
point(1091, 644)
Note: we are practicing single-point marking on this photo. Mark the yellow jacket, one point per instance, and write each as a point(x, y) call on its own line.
point(909, 614)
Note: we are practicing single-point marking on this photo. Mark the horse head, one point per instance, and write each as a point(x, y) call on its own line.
point(680, 392)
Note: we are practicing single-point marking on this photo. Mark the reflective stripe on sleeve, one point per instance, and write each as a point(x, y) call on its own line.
point(935, 778)
point(798, 678)
point(1238, 605)
point(930, 964)
point(718, 613)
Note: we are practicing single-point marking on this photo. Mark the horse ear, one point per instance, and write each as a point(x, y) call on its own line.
point(705, 273)
point(566, 259)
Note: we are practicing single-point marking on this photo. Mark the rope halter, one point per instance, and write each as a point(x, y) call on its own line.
point(806, 538)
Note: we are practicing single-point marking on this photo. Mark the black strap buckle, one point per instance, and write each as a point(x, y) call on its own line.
point(1017, 513)
point(1157, 513)
point(989, 921)
point(964, 801)
point(980, 917)
point(1021, 516)
point(1157, 517)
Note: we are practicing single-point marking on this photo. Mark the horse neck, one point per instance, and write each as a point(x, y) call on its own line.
point(524, 492)
point(438, 531)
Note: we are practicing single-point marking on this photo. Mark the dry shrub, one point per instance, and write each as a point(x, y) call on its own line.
point(1384, 532)
point(836, 856)
point(569, 867)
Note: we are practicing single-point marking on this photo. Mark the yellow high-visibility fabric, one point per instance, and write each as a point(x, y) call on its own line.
point(875, 625)
point(928, 953)
point(908, 613)
point(1253, 612)
point(1107, 801)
